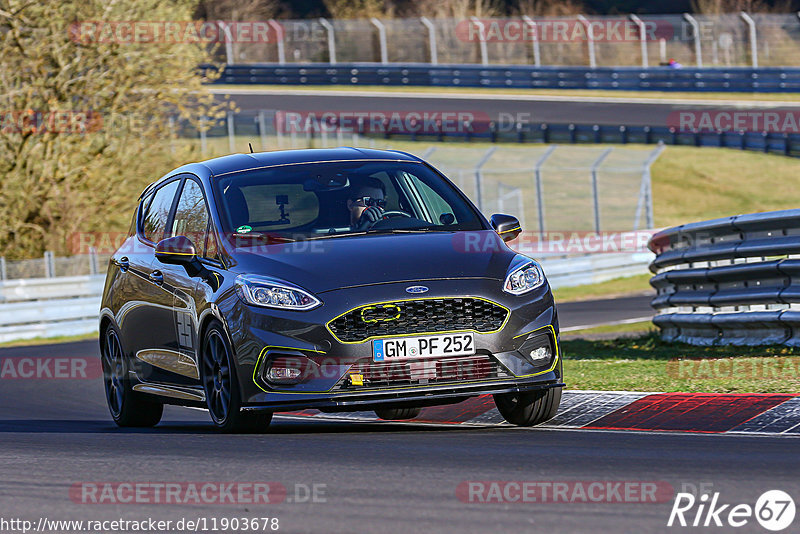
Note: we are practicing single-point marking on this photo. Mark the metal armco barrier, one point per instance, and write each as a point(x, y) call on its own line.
point(739, 79)
point(729, 281)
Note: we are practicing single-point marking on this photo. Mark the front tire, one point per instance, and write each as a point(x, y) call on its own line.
point(128, 408)
point(528, 409)
point(221, 387)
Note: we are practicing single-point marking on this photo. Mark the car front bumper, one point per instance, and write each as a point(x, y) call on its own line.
point(261, 335)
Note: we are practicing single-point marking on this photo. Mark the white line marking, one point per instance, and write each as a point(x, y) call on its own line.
point(610, 323)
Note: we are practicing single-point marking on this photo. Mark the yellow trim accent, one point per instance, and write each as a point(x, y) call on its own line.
point(512, 230)
point(505, 321)
point(555, 342)
point(385, 306)
point(264, 352)
point(165, 253)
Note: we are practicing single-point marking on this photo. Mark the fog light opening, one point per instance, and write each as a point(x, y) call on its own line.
point(289, 370)
point(540, 355)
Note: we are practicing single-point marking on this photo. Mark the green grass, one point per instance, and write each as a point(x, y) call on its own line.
point(645, 363)
point(613, 288)
point(49, 340)
point(627, 95)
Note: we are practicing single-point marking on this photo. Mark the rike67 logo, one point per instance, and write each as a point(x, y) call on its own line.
point(774, 510)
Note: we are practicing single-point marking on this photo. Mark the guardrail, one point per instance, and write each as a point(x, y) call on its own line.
point(739, 79)
point(729, 281)
point(51, 307)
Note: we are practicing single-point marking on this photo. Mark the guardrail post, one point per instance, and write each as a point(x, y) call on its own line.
point(646, 190)
point(589, 39)
point(537, 58)
point(331, 40)
point(642, 38)
point(229, 59)
point(537, 173)
point(595, 189)
point(751, 25)
point(93, 267)
point(231, 132)
point(382, 39)
point(49, 265)
point(279, 36)
point(3, 272)
point(698, 52)
point(482, 44)
point(262, 130)
point(431, 39)
point(479, 177)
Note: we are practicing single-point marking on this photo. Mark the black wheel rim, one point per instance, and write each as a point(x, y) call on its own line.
point(113, 372)
point(217, 376)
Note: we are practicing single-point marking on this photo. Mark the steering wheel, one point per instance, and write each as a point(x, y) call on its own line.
point(393, 213)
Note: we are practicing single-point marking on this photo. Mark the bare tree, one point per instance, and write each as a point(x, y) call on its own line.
point(84, 120)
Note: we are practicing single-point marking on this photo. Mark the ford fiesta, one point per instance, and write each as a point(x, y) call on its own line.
point(336, 280)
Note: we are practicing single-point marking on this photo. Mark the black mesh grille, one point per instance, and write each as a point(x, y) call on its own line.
point(418, 316)
point(420, 372)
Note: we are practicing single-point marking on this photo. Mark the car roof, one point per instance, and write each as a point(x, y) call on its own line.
point(258, 160)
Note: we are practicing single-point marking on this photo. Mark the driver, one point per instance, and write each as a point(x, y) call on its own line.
point(366, 203)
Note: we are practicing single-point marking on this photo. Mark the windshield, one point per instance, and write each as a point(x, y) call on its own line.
point(307, 201)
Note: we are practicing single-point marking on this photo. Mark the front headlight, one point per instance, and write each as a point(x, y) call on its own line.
point(263, 291)
point(524, 275)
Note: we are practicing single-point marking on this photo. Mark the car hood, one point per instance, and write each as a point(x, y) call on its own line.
point(340, 262)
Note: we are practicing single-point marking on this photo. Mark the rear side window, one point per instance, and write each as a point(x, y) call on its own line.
point(155, 219)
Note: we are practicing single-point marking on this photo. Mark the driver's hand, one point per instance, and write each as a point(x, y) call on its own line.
point(370, 216)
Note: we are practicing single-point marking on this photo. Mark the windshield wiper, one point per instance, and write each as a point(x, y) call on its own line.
point(404, 230)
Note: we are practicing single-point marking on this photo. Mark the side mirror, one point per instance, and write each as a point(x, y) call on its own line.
point(507, 227)
point(178, 250)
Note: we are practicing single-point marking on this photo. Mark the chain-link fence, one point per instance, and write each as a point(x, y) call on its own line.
point(51, 266)
point(726, 40)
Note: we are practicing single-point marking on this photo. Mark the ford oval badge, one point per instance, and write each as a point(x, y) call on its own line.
point(416, 290)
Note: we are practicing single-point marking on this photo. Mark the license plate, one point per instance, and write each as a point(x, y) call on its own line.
point(423, 347)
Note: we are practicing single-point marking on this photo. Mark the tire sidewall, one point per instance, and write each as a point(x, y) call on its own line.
point(235, 401)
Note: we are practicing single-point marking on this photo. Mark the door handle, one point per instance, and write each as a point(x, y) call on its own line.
point(157, 277)
point(123, 263)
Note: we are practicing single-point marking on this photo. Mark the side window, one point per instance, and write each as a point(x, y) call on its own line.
point(212, 249)
point(155, 219)
point(191, 215)
point(437, 206)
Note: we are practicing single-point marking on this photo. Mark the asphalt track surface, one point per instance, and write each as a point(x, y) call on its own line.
point(375, 477)
point(528, 108)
